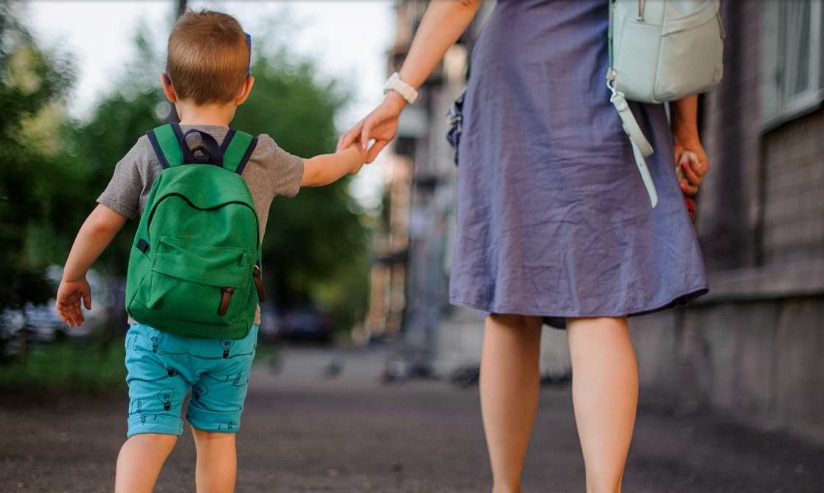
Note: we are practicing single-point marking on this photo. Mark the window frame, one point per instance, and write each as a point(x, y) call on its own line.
point(778, 107)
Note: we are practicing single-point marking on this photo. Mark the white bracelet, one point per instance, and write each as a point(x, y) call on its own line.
point(394, 83)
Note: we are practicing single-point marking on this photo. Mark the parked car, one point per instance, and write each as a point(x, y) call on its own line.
point(270, 328)
point(43, 324)
point(307, 324)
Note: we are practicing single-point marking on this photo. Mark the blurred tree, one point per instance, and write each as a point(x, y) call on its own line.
point(313, 239)
point(36, 208)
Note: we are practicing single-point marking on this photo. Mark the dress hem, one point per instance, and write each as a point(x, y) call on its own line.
point(558, 320)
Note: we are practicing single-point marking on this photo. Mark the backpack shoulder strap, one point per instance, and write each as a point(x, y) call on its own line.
point(165, 141)
point(237, 149)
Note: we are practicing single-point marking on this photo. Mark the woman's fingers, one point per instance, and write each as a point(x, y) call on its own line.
point(691, 175)
point(366, 131)
point(349, 137)
point(688, 189)
point(376, 149)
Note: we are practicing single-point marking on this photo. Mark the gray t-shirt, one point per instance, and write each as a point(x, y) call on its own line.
point(271, 172)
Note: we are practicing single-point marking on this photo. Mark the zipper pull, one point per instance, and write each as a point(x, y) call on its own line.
point(224, 300)
point(258, 283)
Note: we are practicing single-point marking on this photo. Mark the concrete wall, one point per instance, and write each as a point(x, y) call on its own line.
point(757, 362)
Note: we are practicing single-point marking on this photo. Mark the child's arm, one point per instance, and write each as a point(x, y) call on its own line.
point(94, 236)
point(329, 168)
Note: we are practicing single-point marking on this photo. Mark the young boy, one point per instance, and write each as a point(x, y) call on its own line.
point(207, 78)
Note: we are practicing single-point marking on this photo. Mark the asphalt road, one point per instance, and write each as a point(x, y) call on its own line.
point(309, 430)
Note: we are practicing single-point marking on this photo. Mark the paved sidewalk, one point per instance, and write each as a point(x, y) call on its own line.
point(325, 423)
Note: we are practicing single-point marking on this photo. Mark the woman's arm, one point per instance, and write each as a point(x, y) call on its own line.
point(441, 26)
point(684, 117)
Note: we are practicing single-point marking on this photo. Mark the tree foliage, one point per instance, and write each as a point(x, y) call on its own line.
point(35, 204)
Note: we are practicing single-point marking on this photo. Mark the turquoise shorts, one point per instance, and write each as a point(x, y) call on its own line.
point(163, 368)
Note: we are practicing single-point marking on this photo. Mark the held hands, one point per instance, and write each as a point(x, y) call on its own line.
point(69, 295)
point(380, 125)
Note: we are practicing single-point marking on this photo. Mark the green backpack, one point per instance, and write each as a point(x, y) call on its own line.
point(194, 270)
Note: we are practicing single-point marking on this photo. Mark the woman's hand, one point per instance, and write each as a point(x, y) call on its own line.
point(381, 125)
point(691, 166)
point(691, 159)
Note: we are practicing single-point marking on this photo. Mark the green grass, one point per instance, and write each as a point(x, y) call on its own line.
point(67, 367)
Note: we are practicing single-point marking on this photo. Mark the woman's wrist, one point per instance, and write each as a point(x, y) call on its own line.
point(394, 102)
point(686, 138)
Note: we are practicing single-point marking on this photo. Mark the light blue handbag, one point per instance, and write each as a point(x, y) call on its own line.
point(660, 51)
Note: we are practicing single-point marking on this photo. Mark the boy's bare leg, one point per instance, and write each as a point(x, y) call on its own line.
point(510, 382)
point(216, 461)
point(605, 397)
point(140, 460)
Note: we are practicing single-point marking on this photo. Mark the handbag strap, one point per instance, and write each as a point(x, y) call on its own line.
point(641, 147)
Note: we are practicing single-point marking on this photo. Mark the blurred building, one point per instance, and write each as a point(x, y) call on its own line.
point(409, 274)
point(753, 347)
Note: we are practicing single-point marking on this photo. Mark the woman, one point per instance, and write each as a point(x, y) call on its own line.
point(554, 223)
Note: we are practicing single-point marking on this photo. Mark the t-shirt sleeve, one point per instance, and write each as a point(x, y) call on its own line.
point(285, 170)
point(122, 194)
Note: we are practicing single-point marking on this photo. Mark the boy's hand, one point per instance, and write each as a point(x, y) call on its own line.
point(69, 295)
point(361, 156)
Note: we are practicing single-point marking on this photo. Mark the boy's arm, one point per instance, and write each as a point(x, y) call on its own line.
point(329, 168)
point(94, 236)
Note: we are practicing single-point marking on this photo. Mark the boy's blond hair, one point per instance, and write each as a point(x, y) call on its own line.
point(208, 59)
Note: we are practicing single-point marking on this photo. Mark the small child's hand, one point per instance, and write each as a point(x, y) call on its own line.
point(69, 295)
point(360, 159)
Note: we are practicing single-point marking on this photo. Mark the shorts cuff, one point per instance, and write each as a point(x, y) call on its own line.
point(215, 422)
point(162, 424)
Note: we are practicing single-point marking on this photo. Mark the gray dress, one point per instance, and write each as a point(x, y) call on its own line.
point(553, 218)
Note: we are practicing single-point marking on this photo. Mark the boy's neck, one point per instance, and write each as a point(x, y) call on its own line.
point(219, 114)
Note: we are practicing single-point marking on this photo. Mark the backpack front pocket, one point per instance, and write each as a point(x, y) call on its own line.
point(200, 283)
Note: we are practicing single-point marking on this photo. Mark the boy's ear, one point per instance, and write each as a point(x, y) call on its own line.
point(245, 91)
point(168, 88)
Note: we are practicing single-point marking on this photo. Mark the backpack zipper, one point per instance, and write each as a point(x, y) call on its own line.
point(193, 206)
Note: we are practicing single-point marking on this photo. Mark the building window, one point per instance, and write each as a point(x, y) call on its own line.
point(793, 81)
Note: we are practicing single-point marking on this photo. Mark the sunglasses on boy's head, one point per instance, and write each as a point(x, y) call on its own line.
point(249, 44)
point(248, 70)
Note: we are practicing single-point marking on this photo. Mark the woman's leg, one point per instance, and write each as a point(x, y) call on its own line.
point(605, 396)
point(140, 460)
point(510, 382)
point(216, 470)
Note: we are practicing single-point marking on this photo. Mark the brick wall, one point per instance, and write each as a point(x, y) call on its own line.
point(794, 191)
